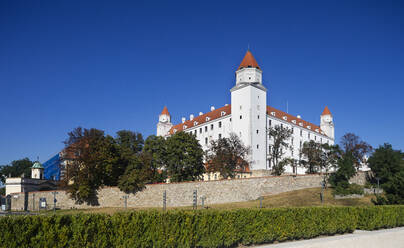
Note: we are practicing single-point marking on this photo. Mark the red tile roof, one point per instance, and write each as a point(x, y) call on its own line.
point(198, 120)
point(293, 119)
point(248, 61)
point(165, 111)
point(226, 110)
point(326, 111)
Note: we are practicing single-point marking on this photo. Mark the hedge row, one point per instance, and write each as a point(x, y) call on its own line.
point(202, 228)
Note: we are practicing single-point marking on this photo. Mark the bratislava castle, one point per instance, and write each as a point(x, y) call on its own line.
point(249, 117)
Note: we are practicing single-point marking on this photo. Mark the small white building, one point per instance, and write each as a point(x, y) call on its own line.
point(249, 117)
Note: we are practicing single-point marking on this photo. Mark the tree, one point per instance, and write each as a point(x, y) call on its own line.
point(17, 168)
point(127, 145)
point(137, 174)
point(311, 152)
point(329, 156)
point(155, 146)
point(227, 156)
point(359, 149)
point(90, 156)
point(279, 136)
point(387, 164)
point(184, 159)
point(345, 171)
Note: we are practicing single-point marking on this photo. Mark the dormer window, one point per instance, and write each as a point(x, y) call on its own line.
point(294, 121)
point(317, 130)
point(301, 124)
point(184, 127)
point(273, 113)
point(309, 127)
point(222, 113)
point(195, 123)
point(285, 118)
point(207, 118)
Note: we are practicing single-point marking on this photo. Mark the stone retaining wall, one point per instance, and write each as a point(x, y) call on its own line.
point(181, 194)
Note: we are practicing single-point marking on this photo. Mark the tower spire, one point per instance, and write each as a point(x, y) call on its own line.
point(248, 61)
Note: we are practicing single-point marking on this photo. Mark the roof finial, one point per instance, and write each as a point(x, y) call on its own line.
point(37, 158)
point(248, 46)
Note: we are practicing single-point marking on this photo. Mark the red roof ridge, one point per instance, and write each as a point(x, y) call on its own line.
point(248, 61)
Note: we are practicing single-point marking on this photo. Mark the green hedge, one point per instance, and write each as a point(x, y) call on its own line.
point(202, 228)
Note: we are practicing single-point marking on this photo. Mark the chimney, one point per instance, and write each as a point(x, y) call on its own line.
point(299, 117)
point(200, 113)
point(183, 119)
point(212, 108)
point(191, 117)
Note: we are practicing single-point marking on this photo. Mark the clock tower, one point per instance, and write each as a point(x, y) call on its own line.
point(164, 125)
point(326, 123)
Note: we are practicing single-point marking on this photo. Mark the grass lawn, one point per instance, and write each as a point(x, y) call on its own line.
point(297, 198)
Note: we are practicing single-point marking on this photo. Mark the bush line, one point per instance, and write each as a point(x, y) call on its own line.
point(202, 228)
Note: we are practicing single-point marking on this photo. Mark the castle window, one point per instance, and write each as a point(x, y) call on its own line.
point(211, 126)
point(220, 135)
point(241, 117)
point(321, 140)
point(220, 124)
point(301, 133)
point(257, 131)
point(206, 141)
point(230, 119)
point(195, 132)
point(308, 135)
point(315, 137)
point(240, 107)
point(269, 123)
point(258, 146)
point(206, 128)
point(281, 125)
point(293, 130)
point(258, 117)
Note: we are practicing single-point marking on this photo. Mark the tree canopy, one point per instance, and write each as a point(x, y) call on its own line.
point(184, 158)
point(227, 156)
point(387, 165)
point(17, 168)
point(359, 149)
point(279, 136)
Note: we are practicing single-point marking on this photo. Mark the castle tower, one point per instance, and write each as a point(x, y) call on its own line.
point(326, 123)
point(248, 109)
point(164, 125)
point(37, 171)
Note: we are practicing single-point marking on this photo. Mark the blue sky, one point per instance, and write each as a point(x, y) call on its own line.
point(113, 65)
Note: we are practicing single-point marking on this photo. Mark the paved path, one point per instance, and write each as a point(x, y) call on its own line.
point(385, 238)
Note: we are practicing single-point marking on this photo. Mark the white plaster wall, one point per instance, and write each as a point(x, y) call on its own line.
point(248, 75)
point(249, 103)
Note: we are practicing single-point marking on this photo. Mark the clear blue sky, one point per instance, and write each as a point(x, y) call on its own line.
point(113, 65)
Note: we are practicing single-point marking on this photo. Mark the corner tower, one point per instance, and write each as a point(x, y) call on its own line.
point(327, 123)
point(164, 125)
point(248, 109)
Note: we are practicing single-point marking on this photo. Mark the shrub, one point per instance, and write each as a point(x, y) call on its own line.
point(344, 188)
point(203, 228)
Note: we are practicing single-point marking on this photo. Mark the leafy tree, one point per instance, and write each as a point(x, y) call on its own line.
point(126, 146)
point(227, 156)
point(311, 152)
point(329, 156)
point(279, 169)
point(3, 191)
point(387, 164)
point(279, 136)
point(137, 174)
point(346, 170)
point(17, 168)
point(359, 149)
point(155, 146)
point(91, 156)
point(184, 160)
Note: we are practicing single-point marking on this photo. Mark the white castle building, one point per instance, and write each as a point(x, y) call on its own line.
point(249, 117)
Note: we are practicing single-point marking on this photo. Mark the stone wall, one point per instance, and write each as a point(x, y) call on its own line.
point(181, 194)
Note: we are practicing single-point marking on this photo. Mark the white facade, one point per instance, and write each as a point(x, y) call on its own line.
point(249, 117)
